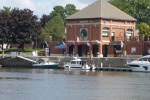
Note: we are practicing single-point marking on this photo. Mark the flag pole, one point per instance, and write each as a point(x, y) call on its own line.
point(90, 45)
point(75, 46)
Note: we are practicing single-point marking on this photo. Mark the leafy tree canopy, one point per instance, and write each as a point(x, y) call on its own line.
point(55, 28)
point(63, 11)
point(7, 10)
point(21, 26)
point(144, 29)
point(44, 20)
point(70, 9)
point(58, 10)
point(138, 9)
point(18, 26)
point(4, 28)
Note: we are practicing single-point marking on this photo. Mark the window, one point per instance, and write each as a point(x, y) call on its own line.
point(129, 32)
point(133, 50)
point(144, 59)
point(105, 32)
point(73, 62)
point(83, 34)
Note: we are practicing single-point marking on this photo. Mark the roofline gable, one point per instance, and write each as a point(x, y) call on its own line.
point(98, 10)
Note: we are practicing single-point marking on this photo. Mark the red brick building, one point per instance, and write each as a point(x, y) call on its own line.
point(106, 28)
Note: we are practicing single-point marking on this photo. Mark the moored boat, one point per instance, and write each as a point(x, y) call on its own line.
point(18, 61)
point(77, 63)
point(89, 67)
point(46, 65)
point(86, 67)
point(141, 64)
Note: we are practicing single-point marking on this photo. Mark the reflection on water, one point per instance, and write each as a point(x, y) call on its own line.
point(59, 84)
point(16, 78)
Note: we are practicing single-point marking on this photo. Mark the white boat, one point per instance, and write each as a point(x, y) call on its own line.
point(86, 67)
point(89, 67)
point(142, 64)
point(77, 63)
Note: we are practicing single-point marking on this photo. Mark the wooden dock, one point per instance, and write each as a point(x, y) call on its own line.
point(113, 69)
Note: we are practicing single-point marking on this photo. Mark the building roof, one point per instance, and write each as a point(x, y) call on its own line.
point(101, 9)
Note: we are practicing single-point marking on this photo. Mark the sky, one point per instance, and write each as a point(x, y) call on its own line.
point(41, 7)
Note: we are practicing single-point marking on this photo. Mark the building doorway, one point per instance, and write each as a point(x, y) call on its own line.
point(117, 48)
point(71, 50)
point(95, 50)
point(80, 52)
point(83, 50)
point(105, 50)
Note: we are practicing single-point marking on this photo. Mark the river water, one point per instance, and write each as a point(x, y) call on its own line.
point(59, 84)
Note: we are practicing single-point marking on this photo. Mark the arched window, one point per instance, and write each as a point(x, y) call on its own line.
point(105, 32)
point(83, 34)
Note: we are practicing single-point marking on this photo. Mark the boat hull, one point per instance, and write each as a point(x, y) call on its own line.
point(46, 66)
point(15, 62)
point(68, 67)
point(80, 67)
point(72, 66)
point(139, 66)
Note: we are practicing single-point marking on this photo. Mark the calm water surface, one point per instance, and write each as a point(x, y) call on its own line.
point(48, 84)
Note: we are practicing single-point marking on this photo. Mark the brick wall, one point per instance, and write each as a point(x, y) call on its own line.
point(26, 45)
point(53, 50)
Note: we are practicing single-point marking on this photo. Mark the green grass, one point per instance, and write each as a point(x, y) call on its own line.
point(26, 50)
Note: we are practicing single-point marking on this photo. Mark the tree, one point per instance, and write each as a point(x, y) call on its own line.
point(63, 12)
point(44, 20)
point(55, 28)
point(25, 26)
point(58, 10)
point(70, 9)
point(7, 10)
point(144, 29)
point(138, 9)
point(5, 34)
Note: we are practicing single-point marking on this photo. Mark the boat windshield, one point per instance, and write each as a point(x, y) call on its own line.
point(73, 62)
point(76, 62)
point(144, 59)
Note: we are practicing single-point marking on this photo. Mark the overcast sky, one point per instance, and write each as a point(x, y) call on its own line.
point(41, 7)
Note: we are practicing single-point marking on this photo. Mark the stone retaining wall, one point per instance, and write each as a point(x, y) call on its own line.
point(105, 61)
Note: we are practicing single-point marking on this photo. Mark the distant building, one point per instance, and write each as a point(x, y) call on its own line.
point(103, 29)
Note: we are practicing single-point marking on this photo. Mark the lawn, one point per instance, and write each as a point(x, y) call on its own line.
point(26, 51)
